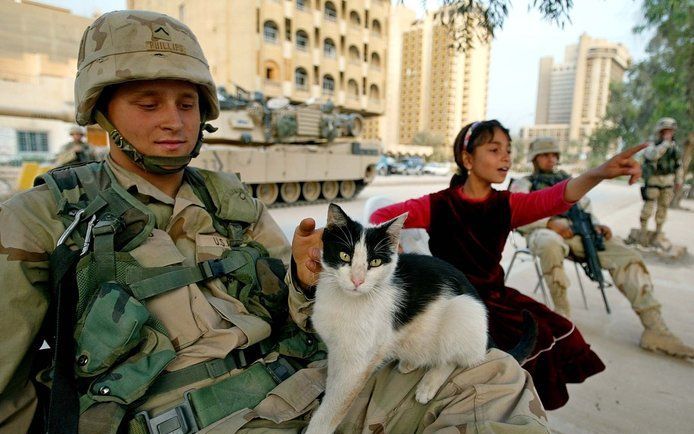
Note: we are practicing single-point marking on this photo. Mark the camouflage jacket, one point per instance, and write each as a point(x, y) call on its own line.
point(196, 317)
point(75, 152)
point(662, 164)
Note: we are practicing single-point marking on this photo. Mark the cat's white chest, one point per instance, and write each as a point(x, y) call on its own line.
point(343, 320)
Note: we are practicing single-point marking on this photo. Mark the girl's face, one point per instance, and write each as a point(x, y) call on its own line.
point(490, 161)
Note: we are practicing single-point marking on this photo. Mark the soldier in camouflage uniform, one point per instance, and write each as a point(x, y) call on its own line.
point(77, 150)
point(662, 170)
point(552, 240)
point(157, 288)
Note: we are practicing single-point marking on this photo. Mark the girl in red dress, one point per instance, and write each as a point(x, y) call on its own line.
point(468, 224)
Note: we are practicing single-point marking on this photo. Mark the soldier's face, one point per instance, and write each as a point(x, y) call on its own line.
point(547, 162)
point(667, 134)
point(158, 117)
point(76, 137)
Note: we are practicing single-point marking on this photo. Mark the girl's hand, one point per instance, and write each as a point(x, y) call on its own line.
point(620, 165)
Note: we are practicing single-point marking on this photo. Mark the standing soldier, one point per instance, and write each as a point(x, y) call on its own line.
point(552, 240)
point(163, 290)
point(662, 161)
point(76, 151)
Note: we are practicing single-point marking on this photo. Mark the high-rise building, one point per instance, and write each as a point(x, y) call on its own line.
point(441, 88)
point(572, 96)
point(300, 49)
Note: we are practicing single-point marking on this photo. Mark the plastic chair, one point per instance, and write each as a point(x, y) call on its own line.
point(411, 240)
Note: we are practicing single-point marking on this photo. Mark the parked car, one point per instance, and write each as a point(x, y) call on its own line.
point(413, 166)
point(386, 166)
point(441, 169)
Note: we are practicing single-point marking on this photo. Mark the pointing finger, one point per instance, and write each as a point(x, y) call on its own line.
point(633, 150)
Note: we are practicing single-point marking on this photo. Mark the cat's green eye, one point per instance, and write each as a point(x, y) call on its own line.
point(345, 257)
point(375, 262)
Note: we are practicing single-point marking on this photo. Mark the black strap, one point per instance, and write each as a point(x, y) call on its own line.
point(63, 409)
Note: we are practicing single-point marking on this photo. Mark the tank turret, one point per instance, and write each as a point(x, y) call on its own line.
point(290, 153)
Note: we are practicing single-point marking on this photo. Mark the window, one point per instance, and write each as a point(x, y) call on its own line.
point(374, 94)
point(329, 48)
point(301, 79)
point(301, 40)
point(330, 11)
point(376, 28)
point(328, 84)
point(272, 71)
point(352, 89)
point(301, 4)
point(375, 61)
point(270, 32)
point(32, 141)
point(354, 19)
point(354, 54)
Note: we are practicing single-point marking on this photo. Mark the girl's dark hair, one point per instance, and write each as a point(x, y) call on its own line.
point(482, 132)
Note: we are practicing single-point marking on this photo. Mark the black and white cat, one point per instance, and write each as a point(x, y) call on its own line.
point(373, 305)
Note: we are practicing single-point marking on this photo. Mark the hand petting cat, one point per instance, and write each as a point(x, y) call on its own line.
point(306, 251)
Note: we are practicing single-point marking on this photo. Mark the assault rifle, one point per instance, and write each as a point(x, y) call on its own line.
point(582, 225)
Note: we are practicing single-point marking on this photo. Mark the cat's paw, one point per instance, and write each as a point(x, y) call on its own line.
point(405, 368)
point(425, 392)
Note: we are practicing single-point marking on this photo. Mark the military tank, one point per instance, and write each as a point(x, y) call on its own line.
point(289, 154)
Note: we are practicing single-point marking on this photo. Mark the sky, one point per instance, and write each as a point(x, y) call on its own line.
point(516, 50)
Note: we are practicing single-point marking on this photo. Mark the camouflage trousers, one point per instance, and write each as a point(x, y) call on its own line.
point(625, 265)
point(497, 396)
point(660, 197)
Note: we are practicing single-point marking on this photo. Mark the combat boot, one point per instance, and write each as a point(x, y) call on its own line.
point(657, 337)
point(644, 238)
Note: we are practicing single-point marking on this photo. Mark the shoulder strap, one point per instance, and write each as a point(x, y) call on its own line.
point(225, 197)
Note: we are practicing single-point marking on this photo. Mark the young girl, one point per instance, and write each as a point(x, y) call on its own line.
point(468, 224)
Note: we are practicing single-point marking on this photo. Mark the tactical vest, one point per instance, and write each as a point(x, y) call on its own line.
point(540, 181)
point(120, 348)
point(667, 164)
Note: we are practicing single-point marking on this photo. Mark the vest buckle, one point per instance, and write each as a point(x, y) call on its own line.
point(177, 420)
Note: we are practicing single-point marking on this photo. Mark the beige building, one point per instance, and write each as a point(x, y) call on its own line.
point(441, 89)
point(38, 60)
point(300, 49)
point(572, 96)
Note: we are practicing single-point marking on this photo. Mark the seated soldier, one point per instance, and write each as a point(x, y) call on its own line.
point(162, 290)
point(552, 240)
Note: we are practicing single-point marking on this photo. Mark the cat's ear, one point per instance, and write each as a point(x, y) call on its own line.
point(393, 227)
point(337, 217)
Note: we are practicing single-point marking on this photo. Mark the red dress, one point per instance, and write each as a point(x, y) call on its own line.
point(471, 234)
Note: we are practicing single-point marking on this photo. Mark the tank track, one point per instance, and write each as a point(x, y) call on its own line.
point(301, 202)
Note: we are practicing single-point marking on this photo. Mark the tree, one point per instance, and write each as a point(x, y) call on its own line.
point(483, 17)
point(660, 85)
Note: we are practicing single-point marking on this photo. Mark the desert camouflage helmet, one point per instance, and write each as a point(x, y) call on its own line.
point(76, 129)
point(129, 45)
point(665, 124)
point(542, 145)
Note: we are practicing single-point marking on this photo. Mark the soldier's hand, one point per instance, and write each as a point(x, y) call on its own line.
point(561, 226)
point(306, 251)
point(621, 164)
point(604, 230)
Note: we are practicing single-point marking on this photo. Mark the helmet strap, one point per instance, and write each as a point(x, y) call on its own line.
point(153, 164)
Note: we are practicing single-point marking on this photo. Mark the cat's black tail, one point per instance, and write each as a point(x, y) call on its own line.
point(527, 342)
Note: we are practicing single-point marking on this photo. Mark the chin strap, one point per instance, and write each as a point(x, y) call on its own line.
point(158, 165)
